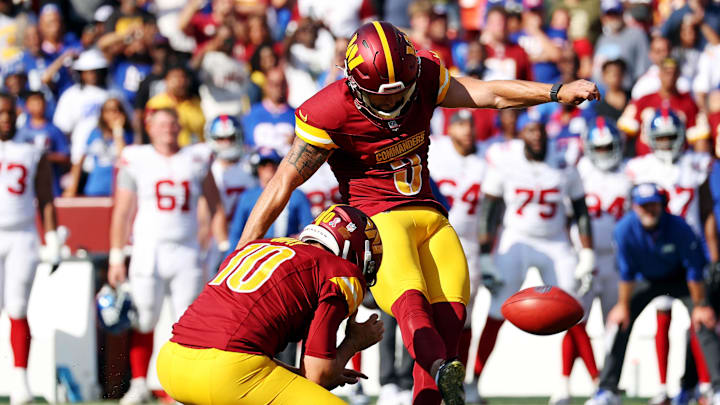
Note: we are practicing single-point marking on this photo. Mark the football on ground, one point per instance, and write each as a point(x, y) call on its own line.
point(543, 310)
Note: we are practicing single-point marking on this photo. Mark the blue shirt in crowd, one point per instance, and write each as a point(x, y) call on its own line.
point(714, 183)
point(103, 154)
point(545, 72)
point(51, 139)
point(260, 122)
point(669, 252)
point(291, 221)
point(127, 76)
point(671, 28)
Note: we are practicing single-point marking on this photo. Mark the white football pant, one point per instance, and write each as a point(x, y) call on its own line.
point(159, 268)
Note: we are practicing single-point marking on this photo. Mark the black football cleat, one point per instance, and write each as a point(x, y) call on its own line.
point(450, 378)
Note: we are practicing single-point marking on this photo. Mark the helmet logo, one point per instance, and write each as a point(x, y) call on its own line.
point(334, 222)
point(351, 227)
point(409, 48)
point(351, 54)
point(372, 234)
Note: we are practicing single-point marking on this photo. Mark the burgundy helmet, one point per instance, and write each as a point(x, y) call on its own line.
point(350, 234)
point(381, 60)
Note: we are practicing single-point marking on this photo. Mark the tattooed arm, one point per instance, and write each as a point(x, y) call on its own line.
point(299, 164)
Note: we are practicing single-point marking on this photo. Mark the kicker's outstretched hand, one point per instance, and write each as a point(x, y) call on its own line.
point(578, 91)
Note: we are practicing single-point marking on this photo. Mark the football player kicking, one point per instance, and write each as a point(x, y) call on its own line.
point(165, 182)
point(25, 174)
point(267, 294)
point(607, 192)
point(374, 128)
point(535, 185)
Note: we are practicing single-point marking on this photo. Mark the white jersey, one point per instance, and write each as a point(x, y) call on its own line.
point(321, 189)
point(232, 181)
point(681, 180)
point(18, 166)
point(535, 193)
point(168, 188)
point(607, 199)
point(458, 178)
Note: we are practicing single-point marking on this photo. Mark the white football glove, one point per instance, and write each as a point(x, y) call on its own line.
point(584, 270)
point(490, 274)
point(50, 252)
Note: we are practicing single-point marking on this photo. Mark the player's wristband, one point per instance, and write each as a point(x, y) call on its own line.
point(224, 246)
point(116, 256)
point(554, 91)
point(703, 303)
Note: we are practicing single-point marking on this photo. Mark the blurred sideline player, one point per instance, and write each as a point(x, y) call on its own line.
point(269, 293)
point(164, 182)
point(607, 190)
point(648, 268)
point(264, 162)
point(25, 174)
point(535, 185)
point(682, 175)
point(321, 189)
point(374, 128)
point(232, 177)
point(458, 170)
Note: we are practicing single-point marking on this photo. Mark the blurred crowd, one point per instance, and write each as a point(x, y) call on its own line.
point(87, 73)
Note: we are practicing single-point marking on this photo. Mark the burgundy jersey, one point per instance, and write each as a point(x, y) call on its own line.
point(266, 294)
point(377, 168)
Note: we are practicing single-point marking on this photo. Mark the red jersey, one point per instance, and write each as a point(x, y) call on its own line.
point(639, 111)
point(714, 122)
point(377, 168)
point(508, 62)
point(202, 28)
point(270, 293)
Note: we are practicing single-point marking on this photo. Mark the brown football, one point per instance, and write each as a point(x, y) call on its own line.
point(543, 310)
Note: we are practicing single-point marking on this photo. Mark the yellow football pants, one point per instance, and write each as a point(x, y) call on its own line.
point(421, 251)
point(218, 377)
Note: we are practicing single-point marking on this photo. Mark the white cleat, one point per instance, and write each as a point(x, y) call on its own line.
point(20, 392)
point(137, 394)
point(660, 398)
point(472, 394)
point(357, 396)
point(388, 395)
point(404, 397)
point(559, 400)
point(604, 397)
point(716, 399)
